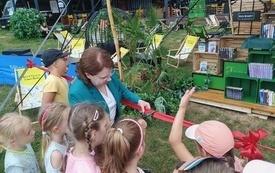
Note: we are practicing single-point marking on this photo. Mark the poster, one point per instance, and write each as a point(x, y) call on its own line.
point(31, 77)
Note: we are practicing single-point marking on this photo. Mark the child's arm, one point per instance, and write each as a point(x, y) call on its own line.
point(56, 159)
point(48, 97)
point(176, 131)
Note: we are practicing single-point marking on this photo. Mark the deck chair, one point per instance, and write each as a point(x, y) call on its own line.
point(209, 24)
point(123, 52)
point(77, 47)
point(28, 100)
point(214, 20)
point(61, 40)
point(146, 53)
point(185, 49)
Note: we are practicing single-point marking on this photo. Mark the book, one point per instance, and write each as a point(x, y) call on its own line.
point(266, 98)
point(201, 46)
point(212, 47)
point(203, 66)
point(261, 96)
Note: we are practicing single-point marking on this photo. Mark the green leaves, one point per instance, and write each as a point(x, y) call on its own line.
point(25, 23)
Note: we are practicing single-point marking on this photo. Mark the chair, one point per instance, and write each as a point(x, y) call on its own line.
point(77, 47)
point(74, 45)
point(214, 20)
point(209, 24)
point(146, 53)
point(63, 42)
point(184, 50)
point(123, 52)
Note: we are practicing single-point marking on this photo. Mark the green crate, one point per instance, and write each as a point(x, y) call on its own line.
point(249, 85)
point(217, 82)
point(234, 67)
point(267, 84)
point(260, 56)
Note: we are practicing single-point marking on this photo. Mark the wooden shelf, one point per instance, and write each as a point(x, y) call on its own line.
point(214, 63)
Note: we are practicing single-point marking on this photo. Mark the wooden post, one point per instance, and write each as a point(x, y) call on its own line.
point(231, 17)
point(111, 19)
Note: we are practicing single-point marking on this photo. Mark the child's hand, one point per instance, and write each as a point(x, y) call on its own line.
point(186, 97)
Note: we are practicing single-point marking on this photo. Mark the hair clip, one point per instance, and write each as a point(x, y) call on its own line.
point(96, 115)
point(120, 130)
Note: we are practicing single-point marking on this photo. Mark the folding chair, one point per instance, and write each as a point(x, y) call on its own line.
point(214, 20)
point(25, 98)
point(184, 50)
point(62, 41)
point(123, 52)
point(77, 47)
point(209, 24)
point(146, 53)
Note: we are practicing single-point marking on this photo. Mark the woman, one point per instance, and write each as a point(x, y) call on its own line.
point(97, 83)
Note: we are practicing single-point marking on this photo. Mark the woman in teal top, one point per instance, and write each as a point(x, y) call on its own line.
point(97, 83)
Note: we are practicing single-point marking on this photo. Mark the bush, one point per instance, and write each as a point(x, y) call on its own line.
point(25, 23)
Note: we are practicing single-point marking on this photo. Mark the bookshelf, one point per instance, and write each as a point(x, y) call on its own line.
point(268, 25)
point(210, 57)
point(251, 84)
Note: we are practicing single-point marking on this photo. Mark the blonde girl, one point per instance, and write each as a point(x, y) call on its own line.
point(124, 147)
point(15, 137)
point(89, 124)
point(53, 120)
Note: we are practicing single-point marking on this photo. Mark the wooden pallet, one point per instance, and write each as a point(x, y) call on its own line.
point(216, 98)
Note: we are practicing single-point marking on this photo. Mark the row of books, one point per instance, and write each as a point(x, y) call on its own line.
point(210, 47)
point(266, 97)
point(261, 70)
point(228, 53)
point(268, 31)
point(235, 93)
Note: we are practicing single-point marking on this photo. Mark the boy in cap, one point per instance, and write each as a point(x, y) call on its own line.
point(55, 87)
point(213, 138)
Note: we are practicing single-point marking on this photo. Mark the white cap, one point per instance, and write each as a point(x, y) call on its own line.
point(259, 166)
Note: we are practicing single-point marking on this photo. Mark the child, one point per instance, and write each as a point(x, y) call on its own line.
point(53, 120)
point(259, 166)
point(55, 87)
point(213, 138)
point(89, 124)
point(205, 165)
point(16, 136)
point(124, 147)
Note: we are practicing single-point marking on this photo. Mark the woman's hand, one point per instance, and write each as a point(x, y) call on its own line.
point(144, 105)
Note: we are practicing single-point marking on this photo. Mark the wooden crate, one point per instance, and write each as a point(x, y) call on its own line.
point(214, 63)
point(235, 41)
point(248, 27)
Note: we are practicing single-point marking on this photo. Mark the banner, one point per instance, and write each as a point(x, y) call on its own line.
point(8, 64)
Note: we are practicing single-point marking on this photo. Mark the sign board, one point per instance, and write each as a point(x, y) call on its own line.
point(31, 77)
point(247, 16)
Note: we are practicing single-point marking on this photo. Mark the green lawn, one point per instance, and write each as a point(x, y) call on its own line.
point(158, 157)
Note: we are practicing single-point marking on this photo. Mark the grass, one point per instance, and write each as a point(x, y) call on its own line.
point(158, 157)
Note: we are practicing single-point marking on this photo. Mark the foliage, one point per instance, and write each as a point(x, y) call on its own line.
point(25, 23)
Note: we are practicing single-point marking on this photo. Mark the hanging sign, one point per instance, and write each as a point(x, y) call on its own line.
point(247, 16)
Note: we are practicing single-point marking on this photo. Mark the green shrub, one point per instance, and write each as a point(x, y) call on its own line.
point(25, 23)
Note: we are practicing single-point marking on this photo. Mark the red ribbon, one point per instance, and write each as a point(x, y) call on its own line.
point(248, 143)
point(158, 115)
point(31, 64)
